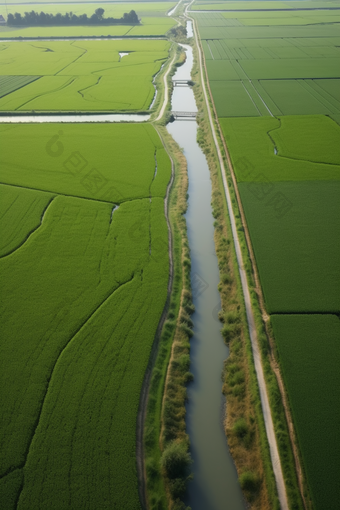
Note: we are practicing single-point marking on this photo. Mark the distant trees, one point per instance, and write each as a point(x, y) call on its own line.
point(35, 19)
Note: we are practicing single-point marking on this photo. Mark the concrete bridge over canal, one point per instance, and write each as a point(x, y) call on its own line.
point(184, 115)
point(181, 83)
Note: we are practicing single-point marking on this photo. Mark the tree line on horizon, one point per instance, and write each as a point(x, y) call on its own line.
point(33, 19)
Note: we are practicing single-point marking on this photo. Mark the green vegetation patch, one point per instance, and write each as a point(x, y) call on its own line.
point(73, 364)
point(10, 83)
point(323, 148)
point(292, 68)
point(105, 162)
point(21, 213)
point(246, 5)
point(83, 75)
point(252, 149)
point(232, 99)
point(221, 70)
point(295, 233)
point(83, 288)
point(332, 87)
point(243, 32)
point(309, 352)
point(296, 97)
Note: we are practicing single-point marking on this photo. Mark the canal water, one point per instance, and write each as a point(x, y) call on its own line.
point(215, 485)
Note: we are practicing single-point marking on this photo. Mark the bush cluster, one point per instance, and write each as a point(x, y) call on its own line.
point(33, 19)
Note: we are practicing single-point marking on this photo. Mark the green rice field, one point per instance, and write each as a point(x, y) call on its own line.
point(262, 5)
point(274, 79)
point(309, 353)
point(279, 70)
point(81, 75)
point(297, 247)
point(9, 84)
point(84, 265)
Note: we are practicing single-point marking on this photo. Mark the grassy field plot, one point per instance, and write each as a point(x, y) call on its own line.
point(46, 32)
point(21, 211)
point(314, 31)
point(308, 138)
point(295, 234)
point(221, 70)
point(83, 75)
point(251, 143)
point(232, 99)
point(9, 84)
point(292, 68)
point(291, 202)
point(246, 5)
point(291, 20)
point(296, 97)
point(309, 352)
point(82, 160)
point(72, 365)
point(331, 87)
point(279, 70)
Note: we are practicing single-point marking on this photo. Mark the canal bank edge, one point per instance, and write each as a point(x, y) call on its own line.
point(263, 333)
point(244, 425)
point(166, 402)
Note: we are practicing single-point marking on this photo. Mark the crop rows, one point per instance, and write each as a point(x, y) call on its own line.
point(9, 84)
point(281, 75)
point(97, 247)
point(308, 347)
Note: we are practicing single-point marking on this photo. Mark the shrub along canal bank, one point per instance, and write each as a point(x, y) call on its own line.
point(215, 482)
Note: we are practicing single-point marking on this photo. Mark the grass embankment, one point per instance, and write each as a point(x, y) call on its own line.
point(166, 443)
point(165, 422)
point(269, 363)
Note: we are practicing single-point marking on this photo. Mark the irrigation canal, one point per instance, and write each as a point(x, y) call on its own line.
point(215, 484)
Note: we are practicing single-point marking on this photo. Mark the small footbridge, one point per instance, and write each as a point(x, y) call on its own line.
point(181, 83)
point(184, 115)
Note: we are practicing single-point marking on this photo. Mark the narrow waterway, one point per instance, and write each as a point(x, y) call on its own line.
point(215, 485)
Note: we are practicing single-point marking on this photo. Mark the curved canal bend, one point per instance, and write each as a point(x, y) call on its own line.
point(215, 484)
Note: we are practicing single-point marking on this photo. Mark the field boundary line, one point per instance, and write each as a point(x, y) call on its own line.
point(31, 232)
point(251, 99)
point(274, 454)
point(270, 113)
point(144, 394)
point(56, 193)
point(212, 56)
